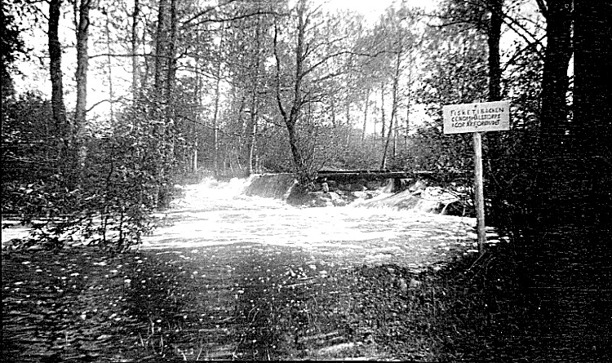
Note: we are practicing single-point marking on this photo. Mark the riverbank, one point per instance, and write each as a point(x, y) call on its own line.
point(222, 302)
point(238, 277)
point(251, 301)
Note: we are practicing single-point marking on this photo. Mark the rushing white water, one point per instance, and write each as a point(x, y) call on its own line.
point(214, 213)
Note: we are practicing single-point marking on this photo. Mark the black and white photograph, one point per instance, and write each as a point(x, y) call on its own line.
point(298, 180)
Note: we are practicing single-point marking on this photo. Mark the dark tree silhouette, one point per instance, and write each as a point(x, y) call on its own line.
point(553, 158)
point(592, 130)
point(55, 67)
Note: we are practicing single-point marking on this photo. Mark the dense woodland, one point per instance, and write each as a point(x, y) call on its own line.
point(238, 87)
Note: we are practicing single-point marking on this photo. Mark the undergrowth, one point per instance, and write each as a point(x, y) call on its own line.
point(267, 303)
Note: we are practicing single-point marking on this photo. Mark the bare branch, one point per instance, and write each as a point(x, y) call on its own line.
point(512, 23)
point(543, 8)
point(230, 19)
point(206, 11)
point(328, 76)
point(103, 101)
point(278, 70)
point(122, 55)
point(337, 54)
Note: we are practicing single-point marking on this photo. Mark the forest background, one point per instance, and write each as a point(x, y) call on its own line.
point(187, 88)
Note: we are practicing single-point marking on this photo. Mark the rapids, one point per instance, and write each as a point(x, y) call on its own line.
point(219, 213)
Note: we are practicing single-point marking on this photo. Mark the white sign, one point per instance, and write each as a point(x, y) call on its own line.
point(476, 117)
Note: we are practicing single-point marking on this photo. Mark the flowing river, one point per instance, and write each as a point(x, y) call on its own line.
point(214, 213)
point(218, 213)
point(231, 276)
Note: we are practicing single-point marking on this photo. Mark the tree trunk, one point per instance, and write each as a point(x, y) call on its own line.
point(111, 94)
point(170, 54)
point(592, 136)
point(493, 38)
point(491, 142)
point(349, 125)
point(553, 112)
point(251, 142)
point(396, 77)
point(291, 117)
point(216, 121)
point(382, 109)
point(408, 96)
point(82, 35)
point(254, 101)
point(333, 113)
point(365, 115)
point(169, 84)
point(161, 45)
point(55, 70)
point(135, 49)
point(198, 102)
point(553, 115)
point(298, 160)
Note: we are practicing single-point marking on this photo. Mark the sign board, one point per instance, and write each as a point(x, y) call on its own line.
point(476, 117)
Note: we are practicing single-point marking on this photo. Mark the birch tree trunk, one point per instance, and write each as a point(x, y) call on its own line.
point(365, 115)
point(382, 109)
point(82, 35)
point(254, 100)
point(215, 124)
point(394, 101)
point(111, 94)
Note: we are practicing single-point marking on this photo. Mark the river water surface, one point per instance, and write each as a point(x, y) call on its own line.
point(213, 213)
point(230, 276)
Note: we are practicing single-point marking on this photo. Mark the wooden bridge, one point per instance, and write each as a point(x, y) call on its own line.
point(347, 176)
point(368, 175)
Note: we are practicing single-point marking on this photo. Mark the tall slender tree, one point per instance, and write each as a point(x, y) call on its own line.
point(134, 49)
point(291, 111)
point(82, 36)
point(55, 70)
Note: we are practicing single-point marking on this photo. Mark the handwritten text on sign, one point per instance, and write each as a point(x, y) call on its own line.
point(476, 117)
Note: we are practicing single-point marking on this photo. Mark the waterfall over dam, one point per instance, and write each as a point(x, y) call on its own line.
point(270, 185)
point(255, 210)
point(394, 192)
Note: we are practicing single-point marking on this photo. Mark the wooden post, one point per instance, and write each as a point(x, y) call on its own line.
point(476, 118)
point(480, 215)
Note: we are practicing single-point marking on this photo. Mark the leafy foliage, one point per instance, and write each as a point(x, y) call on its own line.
point(11, 44)
point(107, 200)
